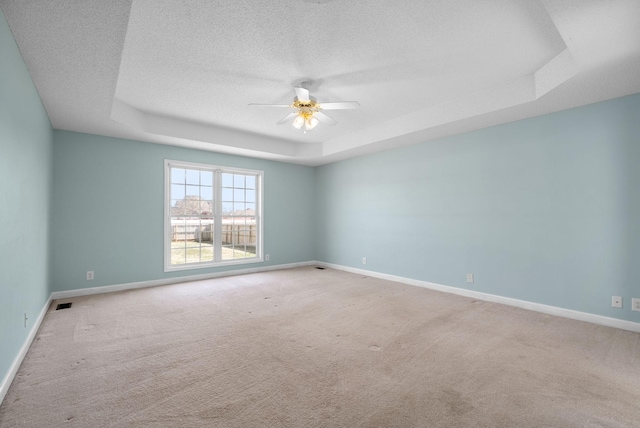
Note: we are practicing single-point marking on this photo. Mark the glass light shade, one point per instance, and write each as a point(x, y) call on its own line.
point(298, 121)
point(311, 123)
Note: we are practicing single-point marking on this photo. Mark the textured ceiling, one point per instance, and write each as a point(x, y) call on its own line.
point(184, 72)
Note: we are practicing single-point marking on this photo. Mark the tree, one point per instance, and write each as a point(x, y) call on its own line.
point(192, 206)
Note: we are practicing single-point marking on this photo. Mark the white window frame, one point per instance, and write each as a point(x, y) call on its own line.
point(217, 214)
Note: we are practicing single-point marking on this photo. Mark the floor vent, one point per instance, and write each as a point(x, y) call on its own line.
point(319, 267)
point(63, 306)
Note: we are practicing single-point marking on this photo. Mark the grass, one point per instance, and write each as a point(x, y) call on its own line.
point(196, 252)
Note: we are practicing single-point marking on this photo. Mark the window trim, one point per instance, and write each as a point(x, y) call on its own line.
point(217, 214)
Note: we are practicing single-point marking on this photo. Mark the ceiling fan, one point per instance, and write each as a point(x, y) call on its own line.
point(308, 111)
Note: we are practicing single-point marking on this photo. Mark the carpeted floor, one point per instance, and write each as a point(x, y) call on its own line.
point(319, 348)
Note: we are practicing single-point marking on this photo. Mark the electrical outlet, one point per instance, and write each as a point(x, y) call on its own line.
point(266, 257)
point(616, 301)
point(364, 260)
point(89, 275)
point(470, 277)
point(635, 304)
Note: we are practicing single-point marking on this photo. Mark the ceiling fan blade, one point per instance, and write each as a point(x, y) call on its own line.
point(286, 118)
point(302, 93)
point(344, 105)
point(324, 118)
point(270, 105)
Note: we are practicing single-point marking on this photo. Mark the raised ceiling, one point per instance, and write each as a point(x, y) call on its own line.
point(184, 72)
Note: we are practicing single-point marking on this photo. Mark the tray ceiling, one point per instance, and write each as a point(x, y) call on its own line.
point(183, 73)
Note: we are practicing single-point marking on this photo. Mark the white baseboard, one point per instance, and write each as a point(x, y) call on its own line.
point(166, 281)
point(537, 307)
point(15, 365)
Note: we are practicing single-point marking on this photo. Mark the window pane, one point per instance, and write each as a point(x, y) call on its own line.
point(238, 208)
point(206, 251)
point(245, 236)
point(185, 230)
point(206, 178)
point(177, 240)
point(227, 180)
point(193, 190)
point(178, 256)
point(238, 180)
point(243, 252)
point(227, 195)
point(177, 230)
point(207, 254)
point(238, 194)
point(206, 230)
point(227, 252)
point(206, 193)
point(180, 237)
point(177, 208)
point(226, 234)
point(239, 239)
point(187, 207)
point(253, 236)
point(193, 254)
point(251, 209)
point(227, 208)
point(206, 208)
point(191, 244)
point(193, 176)
point(177, 191)
point(177, 175)
point(239, 253)
point(251, 182)
point(250, 196)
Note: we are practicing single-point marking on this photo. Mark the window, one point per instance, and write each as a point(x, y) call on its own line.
point(213, 216)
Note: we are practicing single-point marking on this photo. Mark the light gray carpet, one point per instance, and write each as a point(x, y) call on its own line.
point(319, 348)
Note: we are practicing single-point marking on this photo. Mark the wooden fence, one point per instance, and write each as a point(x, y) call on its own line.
point(232, 233)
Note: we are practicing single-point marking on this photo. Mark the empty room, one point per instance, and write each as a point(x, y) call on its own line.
point(320, 213)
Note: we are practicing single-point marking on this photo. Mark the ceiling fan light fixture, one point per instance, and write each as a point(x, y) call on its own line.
point(298, 121)
point(305, 118)
point(311, 123)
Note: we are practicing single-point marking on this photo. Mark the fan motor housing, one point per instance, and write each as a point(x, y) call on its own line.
point(311, 104)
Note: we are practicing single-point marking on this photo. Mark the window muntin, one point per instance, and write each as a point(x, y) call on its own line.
point(212, 216)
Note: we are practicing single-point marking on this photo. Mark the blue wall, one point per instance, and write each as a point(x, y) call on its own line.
point(25, 189)
point(108, 209)
point(545, 210)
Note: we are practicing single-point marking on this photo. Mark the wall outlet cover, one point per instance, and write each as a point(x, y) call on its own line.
point(635, 304)
point(616, 301)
